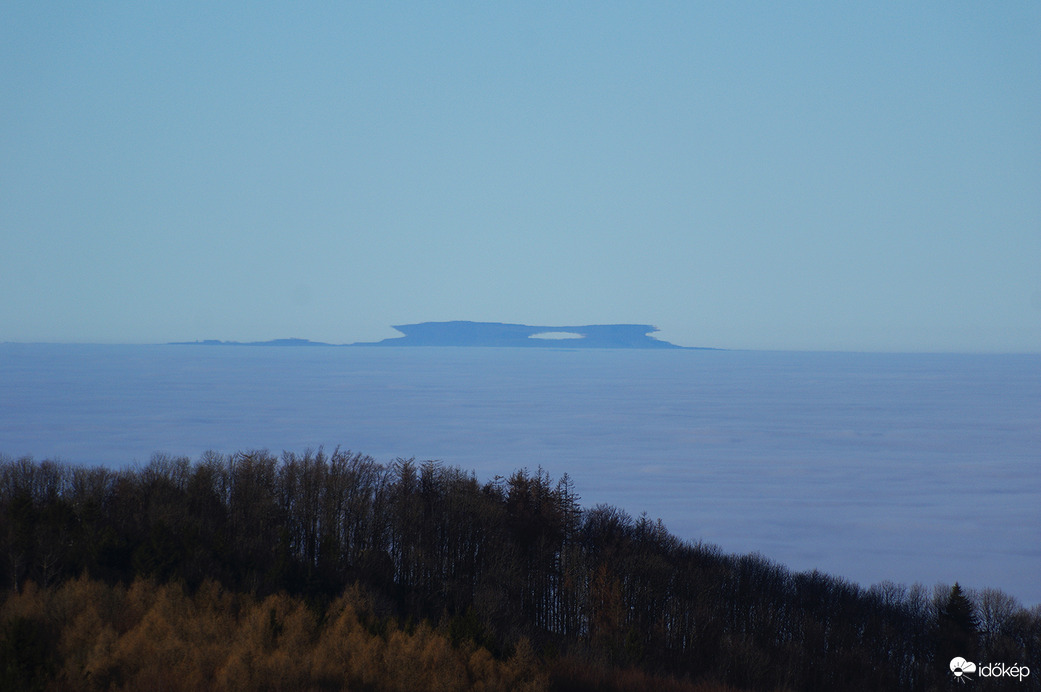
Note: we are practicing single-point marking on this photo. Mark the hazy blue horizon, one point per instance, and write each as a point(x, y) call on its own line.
point(233, 342)
point(745, 175)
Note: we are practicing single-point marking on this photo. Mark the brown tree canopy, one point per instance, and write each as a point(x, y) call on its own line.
point(491, 567)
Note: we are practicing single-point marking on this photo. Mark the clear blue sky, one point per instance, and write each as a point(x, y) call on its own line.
point(860, 176)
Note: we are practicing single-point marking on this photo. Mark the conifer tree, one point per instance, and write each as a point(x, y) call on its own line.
point(957, 628)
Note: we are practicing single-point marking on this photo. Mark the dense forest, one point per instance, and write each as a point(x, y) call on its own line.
point(332, 571)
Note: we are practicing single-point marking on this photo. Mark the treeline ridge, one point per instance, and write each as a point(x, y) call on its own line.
point(496, 567)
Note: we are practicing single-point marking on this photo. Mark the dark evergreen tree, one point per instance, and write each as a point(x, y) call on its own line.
point(957, 630)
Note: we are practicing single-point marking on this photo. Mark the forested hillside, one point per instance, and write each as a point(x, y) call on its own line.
point(321, 571)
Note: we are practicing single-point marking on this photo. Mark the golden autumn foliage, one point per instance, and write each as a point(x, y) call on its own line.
point(157, 637)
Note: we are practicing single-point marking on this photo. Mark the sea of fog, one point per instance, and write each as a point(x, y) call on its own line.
point(868, 466)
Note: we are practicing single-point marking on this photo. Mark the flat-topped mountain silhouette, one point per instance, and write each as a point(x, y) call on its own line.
point(495, 334)
point(463, 333)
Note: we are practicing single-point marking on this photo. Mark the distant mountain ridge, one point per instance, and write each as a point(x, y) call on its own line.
point(494, 334)
point(272, 342)
point(500, 334)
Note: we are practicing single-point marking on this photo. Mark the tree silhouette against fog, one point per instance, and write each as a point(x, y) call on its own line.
point(492, 567)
